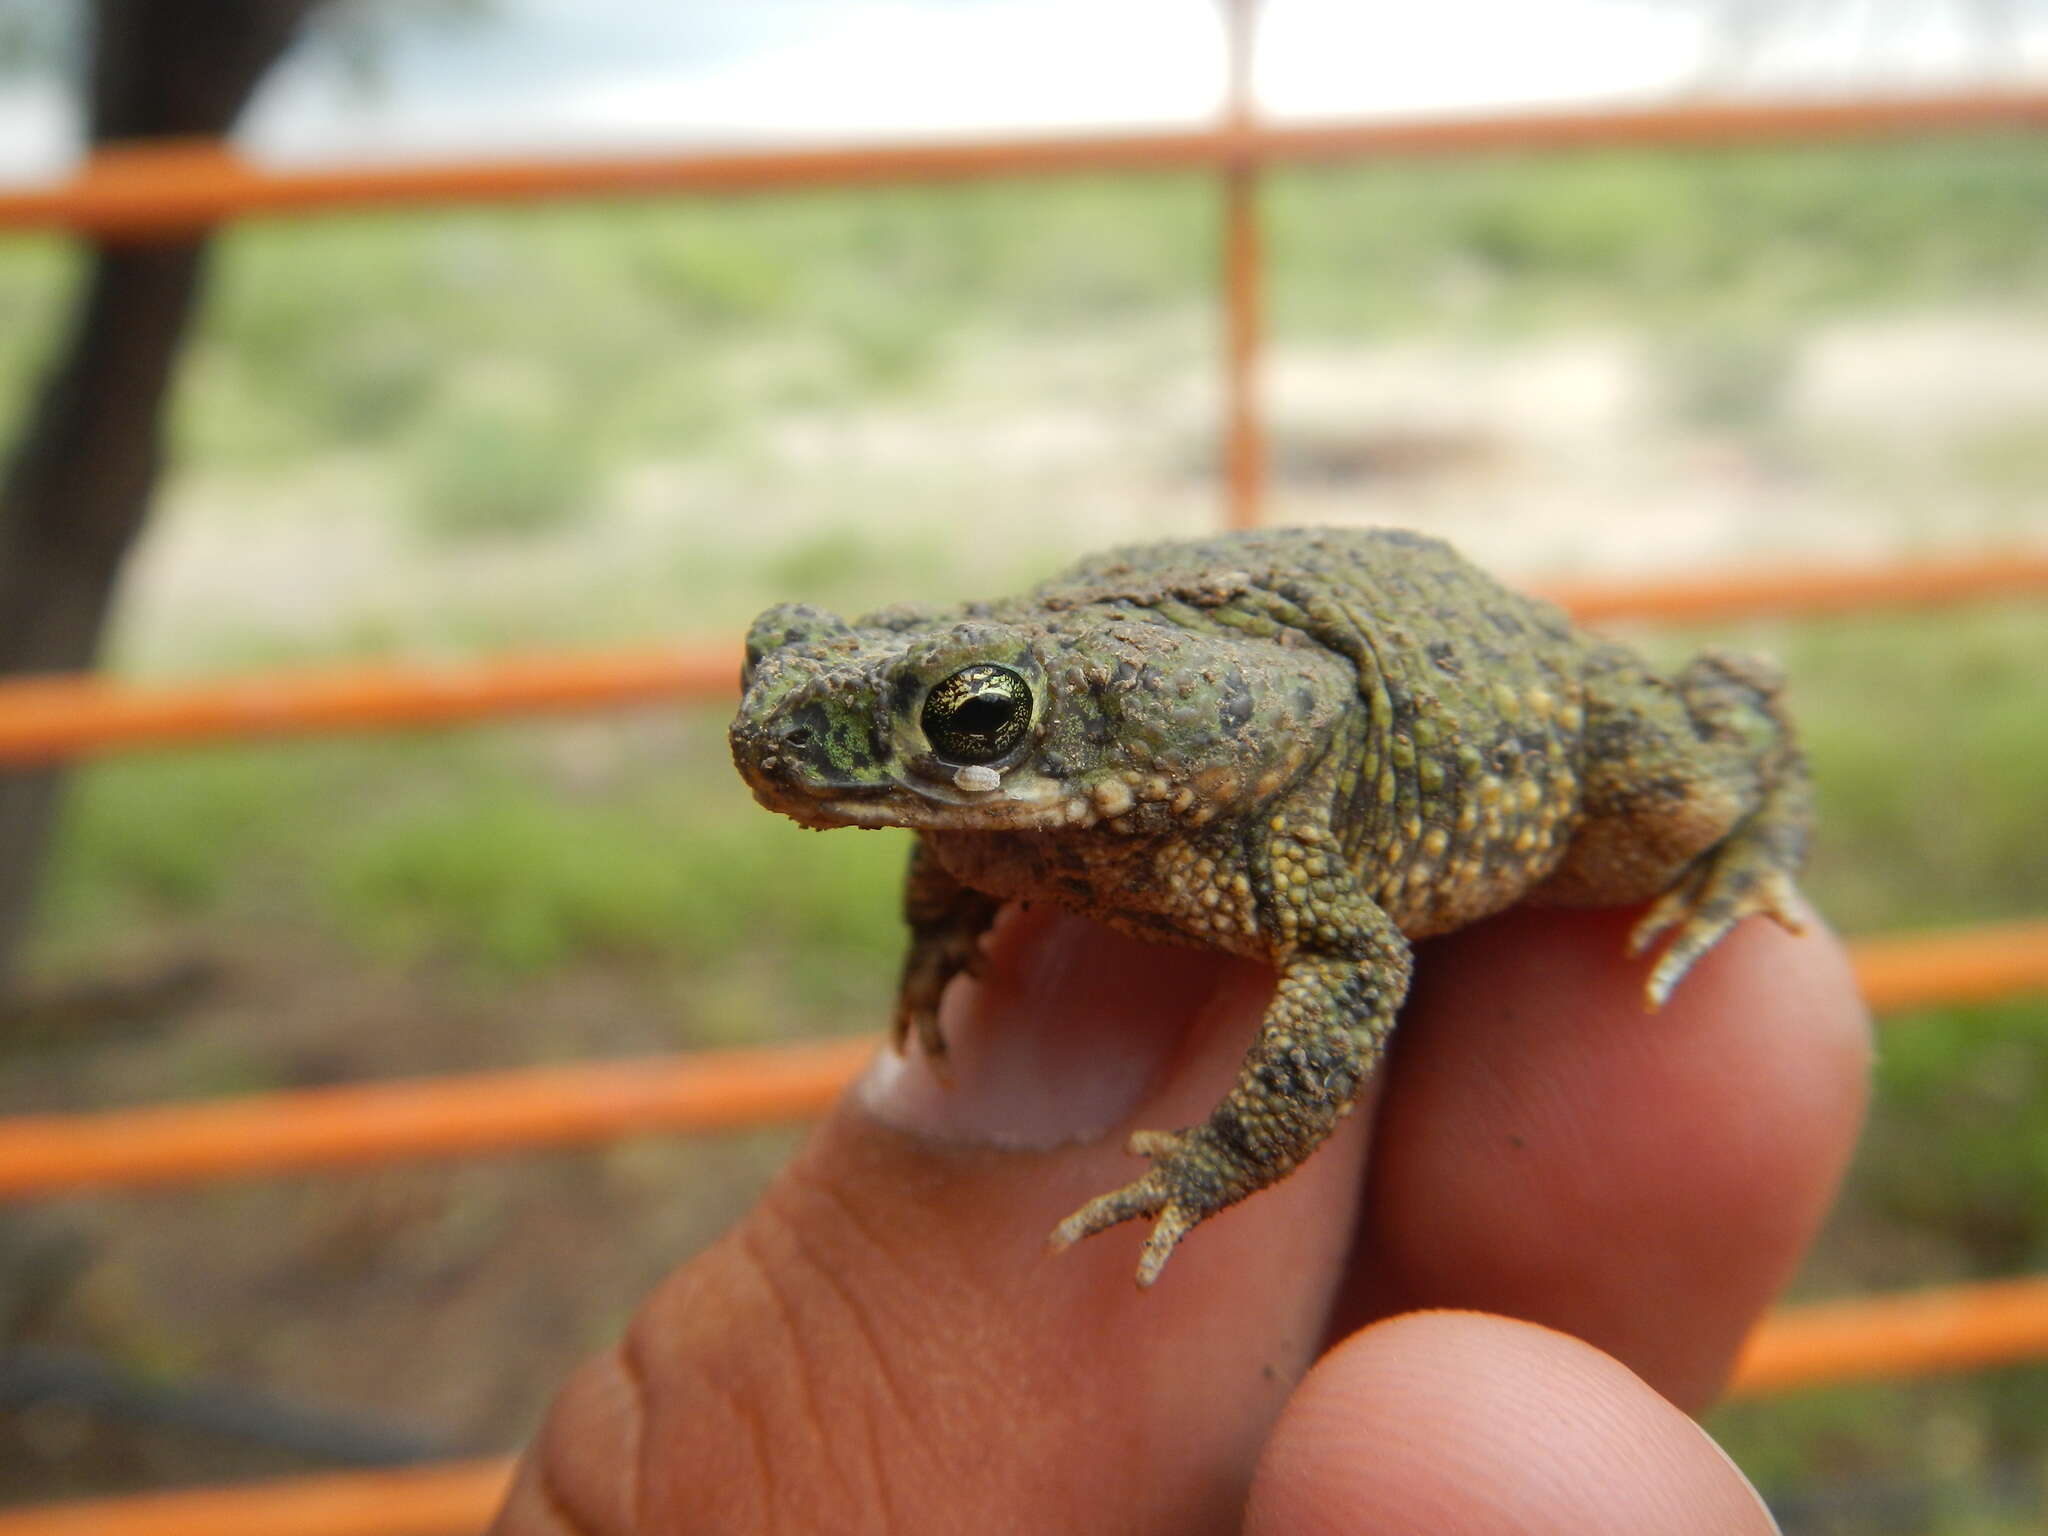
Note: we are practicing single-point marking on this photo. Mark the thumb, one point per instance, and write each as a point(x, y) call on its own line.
point(885, 1343)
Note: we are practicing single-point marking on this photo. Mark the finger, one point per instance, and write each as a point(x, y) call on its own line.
point(1463, 1422)
point(580, 1476)
point(1549, 1150)
point(886, 1344)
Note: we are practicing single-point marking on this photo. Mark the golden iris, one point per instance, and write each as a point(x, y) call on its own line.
point(978, 714)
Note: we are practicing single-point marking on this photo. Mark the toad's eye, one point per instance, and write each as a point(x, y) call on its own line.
point(977, 714)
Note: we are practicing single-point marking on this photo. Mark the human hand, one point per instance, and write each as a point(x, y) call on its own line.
point(1608, 1197)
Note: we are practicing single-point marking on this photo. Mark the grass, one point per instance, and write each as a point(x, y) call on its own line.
point(513, 882)
point(1925, 733)
point(1752, 236)
point(499, 470)
point(1961, 1152)
point(494, 856)
point(1877, 1459)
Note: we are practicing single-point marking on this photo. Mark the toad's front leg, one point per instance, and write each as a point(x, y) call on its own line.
point(1322, 1036)
point(947, 920)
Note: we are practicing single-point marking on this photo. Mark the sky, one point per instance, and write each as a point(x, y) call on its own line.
point(569, 76)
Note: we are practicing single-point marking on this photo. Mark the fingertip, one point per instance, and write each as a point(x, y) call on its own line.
point(577, 1479)
point(1486, 1426)
point(1066, 1030)
point(1549, 1150)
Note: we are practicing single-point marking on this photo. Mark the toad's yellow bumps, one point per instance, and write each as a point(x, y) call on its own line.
point(1308, 746)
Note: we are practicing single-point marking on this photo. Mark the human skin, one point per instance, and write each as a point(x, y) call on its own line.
point(1608, 1199)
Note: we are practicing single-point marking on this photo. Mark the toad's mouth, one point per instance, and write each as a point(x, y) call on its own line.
point(1023, 802)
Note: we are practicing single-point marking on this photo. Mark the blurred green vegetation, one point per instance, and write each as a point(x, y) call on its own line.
point(1658, 239)
point(635, 328)
point(499, 365)
point(484, 854)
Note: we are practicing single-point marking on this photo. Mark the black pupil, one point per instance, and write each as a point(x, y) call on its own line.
point(981, 715)
point(977, 714)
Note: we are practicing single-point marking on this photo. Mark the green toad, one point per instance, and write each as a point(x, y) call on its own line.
point(1307, 746)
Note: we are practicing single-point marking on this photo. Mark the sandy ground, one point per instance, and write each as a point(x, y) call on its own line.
point(1594, 454)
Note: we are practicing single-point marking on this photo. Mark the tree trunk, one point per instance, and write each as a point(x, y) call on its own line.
point(78, 489)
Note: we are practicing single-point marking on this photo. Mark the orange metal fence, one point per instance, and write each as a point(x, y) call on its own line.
point(454, 1500)
point(1929, 1331)
point(1919, 1333)
point(153, 192)
point(147, 192)
point(48, 719)
point(309, 1129)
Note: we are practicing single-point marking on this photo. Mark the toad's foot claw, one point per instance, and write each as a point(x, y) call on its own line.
point(1173, 1190)
point(1708, 900)
point(923, 1022)
point(927, 970)
point(1667, 910)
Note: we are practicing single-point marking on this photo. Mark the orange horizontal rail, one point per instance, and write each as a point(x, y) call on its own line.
point(46, 719)
point(357, 1124)
point(455, 1499)
point(140, 192)
point(1919, 1333)
point(350, 1126)
point(1806, 592)
point(43, 719)
point(1966, 965)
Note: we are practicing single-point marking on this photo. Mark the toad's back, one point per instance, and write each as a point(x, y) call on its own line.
point(1458, 782)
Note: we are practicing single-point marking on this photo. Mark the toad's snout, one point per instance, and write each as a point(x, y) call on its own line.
point(809, 744)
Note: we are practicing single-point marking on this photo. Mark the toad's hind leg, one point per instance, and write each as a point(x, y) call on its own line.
point(1693, 794)
point(1316, 1047)
point(1734, 700)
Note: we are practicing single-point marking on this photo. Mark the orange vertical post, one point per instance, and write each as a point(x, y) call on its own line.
point(1245, 435)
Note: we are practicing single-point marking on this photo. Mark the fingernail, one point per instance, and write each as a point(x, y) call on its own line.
point(1067, 1031)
